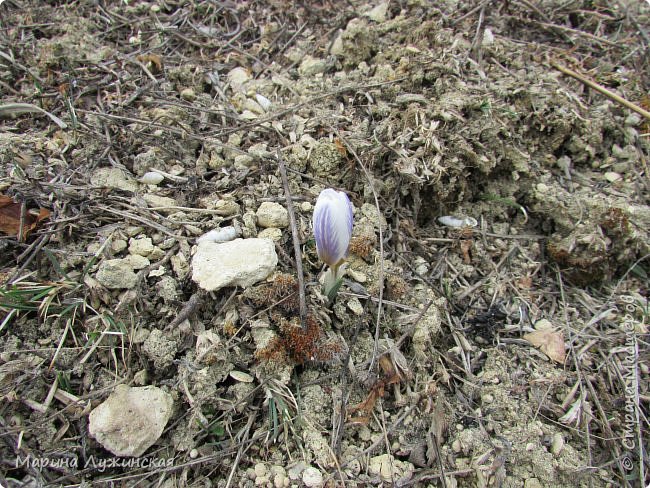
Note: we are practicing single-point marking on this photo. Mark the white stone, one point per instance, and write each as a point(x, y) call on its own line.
point(157, 201)
point(142, 246)
point(264, 102)
point(136, 261)
point(116, 274)
point(188, 94)
point(337, 46)
point(253, 106)
point(271, 233)
point(355, 305)
point(272, 214)
point(296, 470)
point(378, 14)
point(260, 469)
point(312, 478)
point(226, 208)
point(306, 206)
point(488, 37)
point(238, 77)
point(131, 419)
point(152, 178)
point(390, 469)
point(241, 262)
point(118, 245)
point(543, 324)
point(542, 188)
point(113, 178)
point(241, 376)
point(557, 444)
point(223, 234)
point(357, 276)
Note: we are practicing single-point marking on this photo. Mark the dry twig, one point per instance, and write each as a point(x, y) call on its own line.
point(600, 89)
point(296, 240)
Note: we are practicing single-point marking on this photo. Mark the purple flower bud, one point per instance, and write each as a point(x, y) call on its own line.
point(332, 226)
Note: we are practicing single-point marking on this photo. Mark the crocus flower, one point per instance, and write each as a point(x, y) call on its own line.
point(332, 226)
point(332, 230)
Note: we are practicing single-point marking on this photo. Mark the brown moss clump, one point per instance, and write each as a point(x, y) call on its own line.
point(281, 292)
point(396, 287)
point(615, 222)
point(361, 246)
point(582, 267)
point(298, 345)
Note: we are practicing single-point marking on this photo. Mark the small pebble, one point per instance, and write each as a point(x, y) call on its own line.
point(456, 446)
point(241, 376)
point(306, 206)
point(264, 102)
point(188, 94)
point(612, 176)
point(152, 178)
point(142, 246)
point(357, 276)
point(542, 188)
point(260, 470)
point(262, 481)
point(487, 398)
point(312, 478)
point(557, 444)
point(296, 470)
point(532, 483)
point(118, 245)
point(543, 324)
point(223, 234)
point(194, 453)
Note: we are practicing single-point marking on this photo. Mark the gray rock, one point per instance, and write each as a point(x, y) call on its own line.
point(272, 214)
point(131, 419)
point(116, 274)
point(241, 262)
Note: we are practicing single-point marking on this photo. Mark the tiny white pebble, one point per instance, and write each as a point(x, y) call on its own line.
point(223, 234)
point(312, 478)
point(451, 221)
point(260, 470)
point(264, 102)
point(152, 178)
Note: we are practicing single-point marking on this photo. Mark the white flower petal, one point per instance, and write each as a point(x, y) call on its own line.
point(333, 222)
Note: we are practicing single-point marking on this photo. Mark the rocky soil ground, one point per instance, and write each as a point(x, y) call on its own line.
point(492, 326)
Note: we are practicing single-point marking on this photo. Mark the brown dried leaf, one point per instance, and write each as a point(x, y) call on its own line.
point(155, 62)
point(550, 342)
point(360, 414)
point(10, 217)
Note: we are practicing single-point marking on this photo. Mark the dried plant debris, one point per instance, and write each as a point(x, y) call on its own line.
point(490, 329)
point(18, 220)
point(298, 345)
